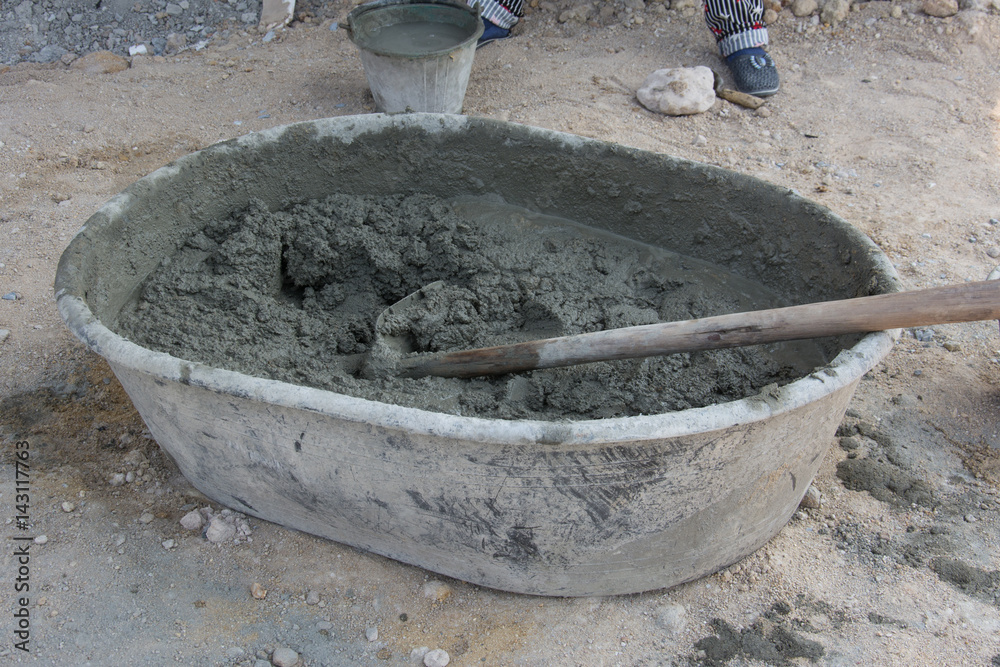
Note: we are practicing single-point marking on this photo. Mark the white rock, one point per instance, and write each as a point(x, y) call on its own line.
point(417, 654)
point(68, 507)
point(437, 658)
point(941, 9)
point(192, 520)
point(813, 499)
point(371, 634)
point(679, 91)
point(167, 544)
point(437, 590)
point(672, 618)
point(284, 657)
point(835, 11)
point(802, 8)
point(117, 479)
point(312, 597)
point(41, 539)
point(220, 531)
point(146, 517)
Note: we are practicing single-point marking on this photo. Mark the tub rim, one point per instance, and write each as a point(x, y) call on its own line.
point(844, 370)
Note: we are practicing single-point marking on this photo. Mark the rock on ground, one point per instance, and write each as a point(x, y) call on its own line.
point(678, 91)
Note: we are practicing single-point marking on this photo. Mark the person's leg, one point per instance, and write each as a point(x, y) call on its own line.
point(739, 30)
point(499, 16)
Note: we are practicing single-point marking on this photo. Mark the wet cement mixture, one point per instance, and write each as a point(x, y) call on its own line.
point(295, 295)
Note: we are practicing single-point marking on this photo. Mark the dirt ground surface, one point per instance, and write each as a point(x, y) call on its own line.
point(891, 118)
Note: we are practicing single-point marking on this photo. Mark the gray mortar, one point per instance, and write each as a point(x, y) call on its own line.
point(294, 295)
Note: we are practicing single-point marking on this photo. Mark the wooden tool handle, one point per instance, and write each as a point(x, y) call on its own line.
point(939, 305)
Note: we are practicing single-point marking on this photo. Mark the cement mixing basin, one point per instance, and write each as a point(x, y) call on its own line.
point(564, 506)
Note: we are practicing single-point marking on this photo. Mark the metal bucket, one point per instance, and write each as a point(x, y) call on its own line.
point(567, 508)
point(414, 76)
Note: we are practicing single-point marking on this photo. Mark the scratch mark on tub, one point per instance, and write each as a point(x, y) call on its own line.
point(244, 503)
point(419, 500)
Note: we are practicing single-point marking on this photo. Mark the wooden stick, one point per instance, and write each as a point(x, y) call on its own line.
point(939, 305)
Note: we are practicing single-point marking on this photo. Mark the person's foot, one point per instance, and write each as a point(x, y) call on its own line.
point(754, 72)
point(491, 33)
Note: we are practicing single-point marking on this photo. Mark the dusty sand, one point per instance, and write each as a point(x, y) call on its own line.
point(894, 123)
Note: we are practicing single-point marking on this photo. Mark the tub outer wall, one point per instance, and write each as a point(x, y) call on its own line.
point(550, 508)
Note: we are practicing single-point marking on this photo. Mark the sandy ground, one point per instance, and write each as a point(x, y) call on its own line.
point(894, 123)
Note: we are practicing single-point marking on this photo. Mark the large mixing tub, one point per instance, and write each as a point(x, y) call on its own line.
point(552, 508)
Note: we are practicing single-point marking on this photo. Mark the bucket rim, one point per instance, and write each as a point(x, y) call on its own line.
point(376, 5)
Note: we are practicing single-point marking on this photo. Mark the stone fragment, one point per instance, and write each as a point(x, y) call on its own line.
point(672, 618)
point(941, 9)
point(274, 13)
point(146, 517)
point(802, 8)
point(192, 520)
point(257, 591)
point(68, 507)
point(312, 597)
point(284, 657)
point(371, 634)
point(99, 62)
point(437, 658)
point(176, 42)
point(679, 91)
point(813, 499)
point(835, 11)
point(219, 530)
point(437, 590)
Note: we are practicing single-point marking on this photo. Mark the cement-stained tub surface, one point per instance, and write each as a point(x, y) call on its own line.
point(592, 507)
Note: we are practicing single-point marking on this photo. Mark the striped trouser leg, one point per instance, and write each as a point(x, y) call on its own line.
point(503, 13)
point(736, 24)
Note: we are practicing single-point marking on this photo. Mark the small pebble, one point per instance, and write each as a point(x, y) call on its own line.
point(952, 347)
point(284, 657)
point(219, 530)
point(417, 654)
point(167, 544)
point(437, 590)
point(257, 591)
point(993, 252)
point(971, 518)
point(371, 634)
point(130, 477)
point(994, 221)
point(117, 479)
point(672, 618)
point(146, 518)
point(813, 499)
point(312, 597)
point(41, 539)
point(4, 335)
point(10, 296)
point(68, 507)
point(437, 658)
point(192, 520)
